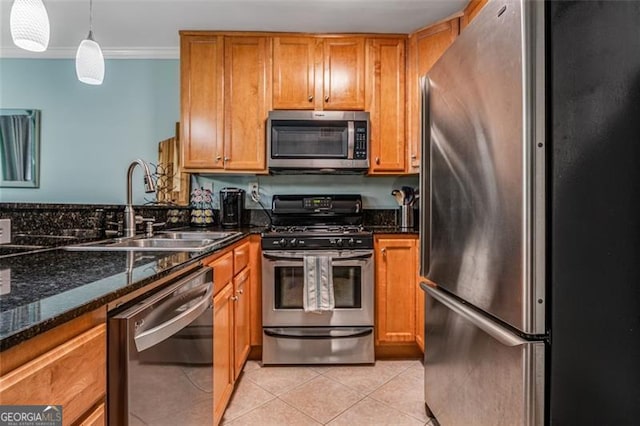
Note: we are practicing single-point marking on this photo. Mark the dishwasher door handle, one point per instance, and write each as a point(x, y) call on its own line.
point(157, 334)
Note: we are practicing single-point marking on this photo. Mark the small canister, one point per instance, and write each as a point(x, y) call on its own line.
point(406, 216)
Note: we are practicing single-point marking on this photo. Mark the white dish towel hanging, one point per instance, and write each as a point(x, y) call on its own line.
point(318, 284)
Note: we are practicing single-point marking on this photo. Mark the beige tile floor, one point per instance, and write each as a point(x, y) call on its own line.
point(386, 393)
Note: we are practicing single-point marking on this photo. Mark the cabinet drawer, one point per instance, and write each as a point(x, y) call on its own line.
point(72, 375)
point(96, 418)
point(240, 258)
point(222, 271)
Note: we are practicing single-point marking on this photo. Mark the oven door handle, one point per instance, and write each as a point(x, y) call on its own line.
point(283, 333)
point(334, 259)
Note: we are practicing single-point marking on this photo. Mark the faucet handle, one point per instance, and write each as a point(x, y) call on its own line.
point(149, 225)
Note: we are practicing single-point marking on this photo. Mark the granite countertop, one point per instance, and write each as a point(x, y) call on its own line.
point(392, 229)
point(43, 289)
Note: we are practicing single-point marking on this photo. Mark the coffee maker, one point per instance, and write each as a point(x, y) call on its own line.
point(231, 207)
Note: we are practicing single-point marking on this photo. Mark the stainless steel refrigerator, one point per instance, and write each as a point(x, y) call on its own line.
point(530, 218)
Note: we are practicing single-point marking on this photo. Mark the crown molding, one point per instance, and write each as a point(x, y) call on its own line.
point(109, 53)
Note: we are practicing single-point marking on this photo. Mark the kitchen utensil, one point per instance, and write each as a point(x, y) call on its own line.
point(398, 195)
point(409, 195)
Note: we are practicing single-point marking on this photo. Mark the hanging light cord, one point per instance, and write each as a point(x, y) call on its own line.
point(90, 20)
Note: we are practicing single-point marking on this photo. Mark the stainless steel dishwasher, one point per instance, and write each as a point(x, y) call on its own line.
point(160, 363)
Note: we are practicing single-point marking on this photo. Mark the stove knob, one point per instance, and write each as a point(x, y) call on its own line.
point(351, 242)
point(339, 242)
point(283, 242)
point(293, 242)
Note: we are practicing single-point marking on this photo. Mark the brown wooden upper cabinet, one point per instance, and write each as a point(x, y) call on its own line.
point(318, 73)
point(385, 101)
point(470, 12)
point(201, 101)
point(225, 99)
point(425, 48)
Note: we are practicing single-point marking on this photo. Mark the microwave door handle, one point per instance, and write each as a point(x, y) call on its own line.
point(351, 139)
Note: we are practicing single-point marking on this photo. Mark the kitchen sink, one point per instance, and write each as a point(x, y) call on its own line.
point(166, 241)
point(195, 235)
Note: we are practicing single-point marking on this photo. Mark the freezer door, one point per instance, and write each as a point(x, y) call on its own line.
point(486, 170)
point(476, 371)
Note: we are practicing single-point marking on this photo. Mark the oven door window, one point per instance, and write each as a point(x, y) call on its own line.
point(309, 139)
point(347, 286)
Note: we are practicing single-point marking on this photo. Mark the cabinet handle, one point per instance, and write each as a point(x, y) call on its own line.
point(240, 291)
point(226, 159)
point(310, 98)
point(378, 161)
point(413, 157)
point(326, 99)
point(234, 298)
point(218, 158)
point(383, 251)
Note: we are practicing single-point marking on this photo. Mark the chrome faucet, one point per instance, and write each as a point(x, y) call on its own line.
point(130, 218)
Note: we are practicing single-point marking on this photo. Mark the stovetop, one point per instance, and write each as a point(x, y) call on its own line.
point(317, 222)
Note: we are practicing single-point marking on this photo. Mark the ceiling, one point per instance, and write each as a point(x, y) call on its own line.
point(149, 28)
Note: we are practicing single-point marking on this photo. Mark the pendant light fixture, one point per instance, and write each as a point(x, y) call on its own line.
point(89, 59)
point(29, 24)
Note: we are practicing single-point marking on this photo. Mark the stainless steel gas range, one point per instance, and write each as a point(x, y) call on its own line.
point(308, 229)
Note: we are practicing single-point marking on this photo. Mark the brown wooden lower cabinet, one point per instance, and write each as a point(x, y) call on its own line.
point(396, 272)
point(241, 318)
point(96, 418)
point(223, 378)
point(72, 374)
point(232, 321)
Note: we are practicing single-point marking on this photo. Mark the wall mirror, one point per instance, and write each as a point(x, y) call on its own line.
point(19, 148)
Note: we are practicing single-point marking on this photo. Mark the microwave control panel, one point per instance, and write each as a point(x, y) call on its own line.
point(360, 146)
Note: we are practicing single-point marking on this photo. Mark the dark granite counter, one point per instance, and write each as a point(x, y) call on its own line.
point(49, 286)
point(392, 230)
point(43, 289)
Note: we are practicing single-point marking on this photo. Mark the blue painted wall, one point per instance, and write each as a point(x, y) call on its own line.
point(90, 134)
point(375, 191)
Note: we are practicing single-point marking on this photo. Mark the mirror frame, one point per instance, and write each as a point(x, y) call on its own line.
point(35, 142)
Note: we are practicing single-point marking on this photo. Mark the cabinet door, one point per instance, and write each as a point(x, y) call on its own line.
point(395, 292)
point(247, 65)
point(294, 72)
point(201, 95)
point(241, 328)
point(72, 375)
point(223, 378)
point(386, 104)
point(425, 48)
point(343, 85)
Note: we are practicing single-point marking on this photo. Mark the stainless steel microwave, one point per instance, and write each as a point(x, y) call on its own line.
point(318, 141)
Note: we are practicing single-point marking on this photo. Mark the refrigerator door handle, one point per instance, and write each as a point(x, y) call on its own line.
point(493, 329)
point(425, 197)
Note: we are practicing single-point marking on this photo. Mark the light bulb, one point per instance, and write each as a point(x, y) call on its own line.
point(90, 62)
point(29, 24)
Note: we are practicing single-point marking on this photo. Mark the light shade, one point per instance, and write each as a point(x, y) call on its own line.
point(29, 24)
point(90, 62)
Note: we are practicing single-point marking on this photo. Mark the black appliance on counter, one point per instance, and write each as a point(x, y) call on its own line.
point(312, 226)
point(231, 207)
